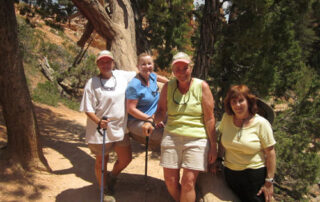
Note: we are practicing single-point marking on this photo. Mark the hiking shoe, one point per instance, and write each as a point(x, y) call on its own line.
point(108, 198)
point(111, 182)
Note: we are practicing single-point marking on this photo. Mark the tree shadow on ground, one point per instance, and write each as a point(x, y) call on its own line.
point(67, 137)
point(130, 187)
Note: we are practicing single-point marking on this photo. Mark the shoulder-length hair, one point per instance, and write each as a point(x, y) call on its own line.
point(235, 92)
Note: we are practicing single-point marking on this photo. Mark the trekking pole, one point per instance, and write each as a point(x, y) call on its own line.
point(146, 170)
point(146, 160)
point(103, 150)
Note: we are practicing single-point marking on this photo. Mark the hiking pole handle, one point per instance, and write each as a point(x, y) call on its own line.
point(103, 118)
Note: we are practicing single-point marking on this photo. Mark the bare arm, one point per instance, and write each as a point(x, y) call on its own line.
point(267, 188)
point(162, 79)
point(209, 120)
point(133, 111)
point(94, 118)
point(161, 112)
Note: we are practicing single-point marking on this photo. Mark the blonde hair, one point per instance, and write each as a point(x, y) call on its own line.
point(144, 54)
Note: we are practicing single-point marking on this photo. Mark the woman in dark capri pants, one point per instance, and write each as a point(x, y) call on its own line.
point(248, 147)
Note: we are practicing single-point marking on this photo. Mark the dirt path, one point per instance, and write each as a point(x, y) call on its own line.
point(73, 177)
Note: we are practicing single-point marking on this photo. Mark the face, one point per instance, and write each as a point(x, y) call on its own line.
point(105, 65)
point(182, 71)
point(145, 65)
point(239, 106)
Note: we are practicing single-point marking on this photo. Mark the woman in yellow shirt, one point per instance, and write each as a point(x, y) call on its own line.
point(248, 144)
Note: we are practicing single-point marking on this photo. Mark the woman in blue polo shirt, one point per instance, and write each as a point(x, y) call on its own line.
point(142, 98)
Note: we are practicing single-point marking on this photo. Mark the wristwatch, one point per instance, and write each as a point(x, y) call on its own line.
point(271, 180)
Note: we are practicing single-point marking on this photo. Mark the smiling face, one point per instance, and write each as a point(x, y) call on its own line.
point(239, 106)
point(145, 66)
point(105, 65)
point(182, 71)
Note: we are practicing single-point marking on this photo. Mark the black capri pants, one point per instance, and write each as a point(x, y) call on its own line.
point(246, 183)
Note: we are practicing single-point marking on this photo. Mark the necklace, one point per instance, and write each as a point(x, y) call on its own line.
point(184, 97)
point(109, 88)
point(239, 134)
point(154, 93)
point(143, 79)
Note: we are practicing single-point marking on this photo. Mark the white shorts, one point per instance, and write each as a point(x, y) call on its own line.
point(184, 152)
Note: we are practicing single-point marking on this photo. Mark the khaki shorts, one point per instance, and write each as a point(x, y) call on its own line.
point(96, 149)
point(184, 152)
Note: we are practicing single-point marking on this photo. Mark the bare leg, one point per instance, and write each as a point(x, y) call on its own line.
point(171, 178)
point(188, 181)
point(124, 155)
point(98, 168)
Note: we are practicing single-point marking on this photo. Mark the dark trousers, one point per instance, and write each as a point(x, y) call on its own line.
point(246, 183)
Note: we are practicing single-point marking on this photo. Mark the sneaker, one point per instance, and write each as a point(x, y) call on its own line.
point(108, 198)
point(111, 182)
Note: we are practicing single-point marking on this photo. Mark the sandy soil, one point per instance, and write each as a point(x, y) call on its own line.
point(72, 177)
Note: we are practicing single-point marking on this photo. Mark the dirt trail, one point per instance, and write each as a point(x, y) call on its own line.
point(72, 177)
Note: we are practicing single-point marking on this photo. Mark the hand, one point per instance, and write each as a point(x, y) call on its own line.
point(103, 123)
point(267, 189)
point(212, 155)
point(216, 167)
point(160, 125)
point(147, 128)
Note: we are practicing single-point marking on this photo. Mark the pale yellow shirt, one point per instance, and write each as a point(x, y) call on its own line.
point(185, 118)
point(244, 146)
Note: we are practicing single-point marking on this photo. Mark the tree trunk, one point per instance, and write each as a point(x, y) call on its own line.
point(117, 29)
point(205, 51)
point(141, 38)
point(23, 137)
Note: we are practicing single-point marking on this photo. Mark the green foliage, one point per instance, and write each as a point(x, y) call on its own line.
point(34, 46)
point(273, 47)
point(168, 27)
point(58, 10)
point(297, 134)
point(46, 93)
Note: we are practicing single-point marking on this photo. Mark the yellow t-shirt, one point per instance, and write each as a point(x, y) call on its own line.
point(185, 115)
point(244, 146)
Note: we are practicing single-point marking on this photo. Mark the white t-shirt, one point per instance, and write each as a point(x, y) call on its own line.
point(110, 103)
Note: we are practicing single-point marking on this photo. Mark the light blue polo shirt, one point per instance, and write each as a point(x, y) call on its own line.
point(147, 96)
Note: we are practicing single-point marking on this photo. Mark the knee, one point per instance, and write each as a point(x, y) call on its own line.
point(187, 185)
point(172, 182)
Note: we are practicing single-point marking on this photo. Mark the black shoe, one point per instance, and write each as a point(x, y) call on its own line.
point(111, 182)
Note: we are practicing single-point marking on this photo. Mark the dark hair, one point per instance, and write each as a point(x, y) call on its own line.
point(235, 92)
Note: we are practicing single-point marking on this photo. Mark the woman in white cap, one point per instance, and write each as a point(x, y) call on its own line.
point(104, 95)
point(189, 140)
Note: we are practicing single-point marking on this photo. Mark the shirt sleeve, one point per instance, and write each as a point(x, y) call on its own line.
point(128, 75)
point(131, 92)
point(266, 134)
point(88, 99)
point(221, 123)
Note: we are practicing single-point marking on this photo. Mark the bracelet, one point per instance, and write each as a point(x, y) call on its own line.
point(99, 124)
point(219, 159)
point(271, 180)
point(150, 117)
point(152, 123)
